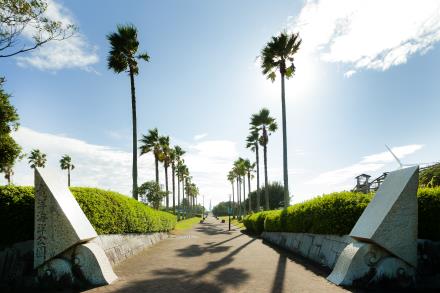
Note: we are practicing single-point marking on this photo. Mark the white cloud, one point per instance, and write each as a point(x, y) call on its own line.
point(371, 34)
point(74, 52)
point(110, 168)
point(370, 163)
point(200, 136)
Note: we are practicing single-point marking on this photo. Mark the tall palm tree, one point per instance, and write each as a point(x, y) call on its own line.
point(231, 178)
point(151, 143)
point(176, 154)
point(240, 172)
point(252, 144)
point(249, 168)
point(164, 157)
point(66, 164)
point(180, 172)
point(265, 125)
point(123, 57)
point(278, 55)
point(37, 159)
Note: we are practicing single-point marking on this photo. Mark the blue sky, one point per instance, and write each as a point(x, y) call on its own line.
point(359, 85)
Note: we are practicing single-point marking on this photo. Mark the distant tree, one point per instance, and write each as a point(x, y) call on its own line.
point(249, 169)
point(278, 55)
point(221, 209)
point(66, 164)
point(276, 196)
point(176, 154)
point(151, 143)
point(240, 171)
point(37, 159)
point(20, 16)
point(231, 178)
point(181, 172)
point(123, 57)
point(430, 177)
point(265, 125)
point(150, 190)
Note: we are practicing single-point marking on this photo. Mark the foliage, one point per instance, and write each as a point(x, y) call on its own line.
point(150, 191)
point(221, 209)
point(187, 223)
point(430, 177)
point(66, 163)
point(278, 55)
point(262, 121)
point(37, 159)
point(9, 149)
point(276, 196)
point(337, 213)
point(20, 16)
point(108, 212)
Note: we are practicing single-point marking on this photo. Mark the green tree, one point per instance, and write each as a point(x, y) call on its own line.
point(240, 172)
point(66, 164)
point(19, 16)
point(252, 144)
point(176, 154)
point(429, 177)
point(9, 149)
point(150, 191)
point(123, 57)
point(182, 172)
point(276, 196)
point(151, 143)
point(265, 125)
point(278, 56)
point(231, 178)
point(37, 159)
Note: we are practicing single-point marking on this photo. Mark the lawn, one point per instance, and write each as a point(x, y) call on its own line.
point(187, 224)
point(235, 222)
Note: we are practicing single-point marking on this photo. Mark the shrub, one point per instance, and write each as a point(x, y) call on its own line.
point(337, 213)
point(108, 212)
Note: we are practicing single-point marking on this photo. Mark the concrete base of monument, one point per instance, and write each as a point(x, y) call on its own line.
point(367, 265)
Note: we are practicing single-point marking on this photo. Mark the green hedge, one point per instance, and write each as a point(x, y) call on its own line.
point(337, 213)
point(108, 212)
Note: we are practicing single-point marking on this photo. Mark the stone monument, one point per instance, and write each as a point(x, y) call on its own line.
point(61, 235)
point(385, 236)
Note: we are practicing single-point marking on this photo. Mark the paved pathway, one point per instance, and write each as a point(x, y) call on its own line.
point(211, 259)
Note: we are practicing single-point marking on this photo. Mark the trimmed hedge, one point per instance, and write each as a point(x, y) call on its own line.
point(337, 213)
point(108, 212)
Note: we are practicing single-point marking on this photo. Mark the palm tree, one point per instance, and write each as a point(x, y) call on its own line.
point(277, 55)
point(252, 144)
point(231, 178)
point(66, 164)
point(164, 157)
point(151, 143)
point(265, 124)
point(123, 57)
point(37, 159)
point(180, 172)
point(176, 154)
point(239, 169)
point(249, 168)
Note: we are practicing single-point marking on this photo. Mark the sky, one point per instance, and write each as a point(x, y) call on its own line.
point(367, 74)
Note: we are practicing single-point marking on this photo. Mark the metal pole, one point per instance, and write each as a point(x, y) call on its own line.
point(229, 212)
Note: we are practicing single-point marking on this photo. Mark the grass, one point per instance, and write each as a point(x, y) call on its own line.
point(235, 222)
point(187, 224)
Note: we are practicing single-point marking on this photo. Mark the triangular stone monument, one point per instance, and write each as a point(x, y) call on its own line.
point(59, 221)
point(385, 236)
point(62, 232)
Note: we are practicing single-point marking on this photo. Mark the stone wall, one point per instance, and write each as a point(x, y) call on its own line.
point(325, 250)
point(16, 261)
point(119, 247)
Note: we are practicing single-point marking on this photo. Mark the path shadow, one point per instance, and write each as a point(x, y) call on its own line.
point(196, 250)
point(278, 282)
point(212, 229)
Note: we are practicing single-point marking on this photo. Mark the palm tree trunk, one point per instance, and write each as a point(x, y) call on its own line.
point(68, 176)
point(156, 163)
point(134, 121)
point(266, 189)
point(178, 197)
point(238, 195)
point(166, 187)
point(244, 194)
point(285, 171)
point(258, 175)
point(233, 199)
point(183, 198)
point(249, 191)
point(174, 188)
